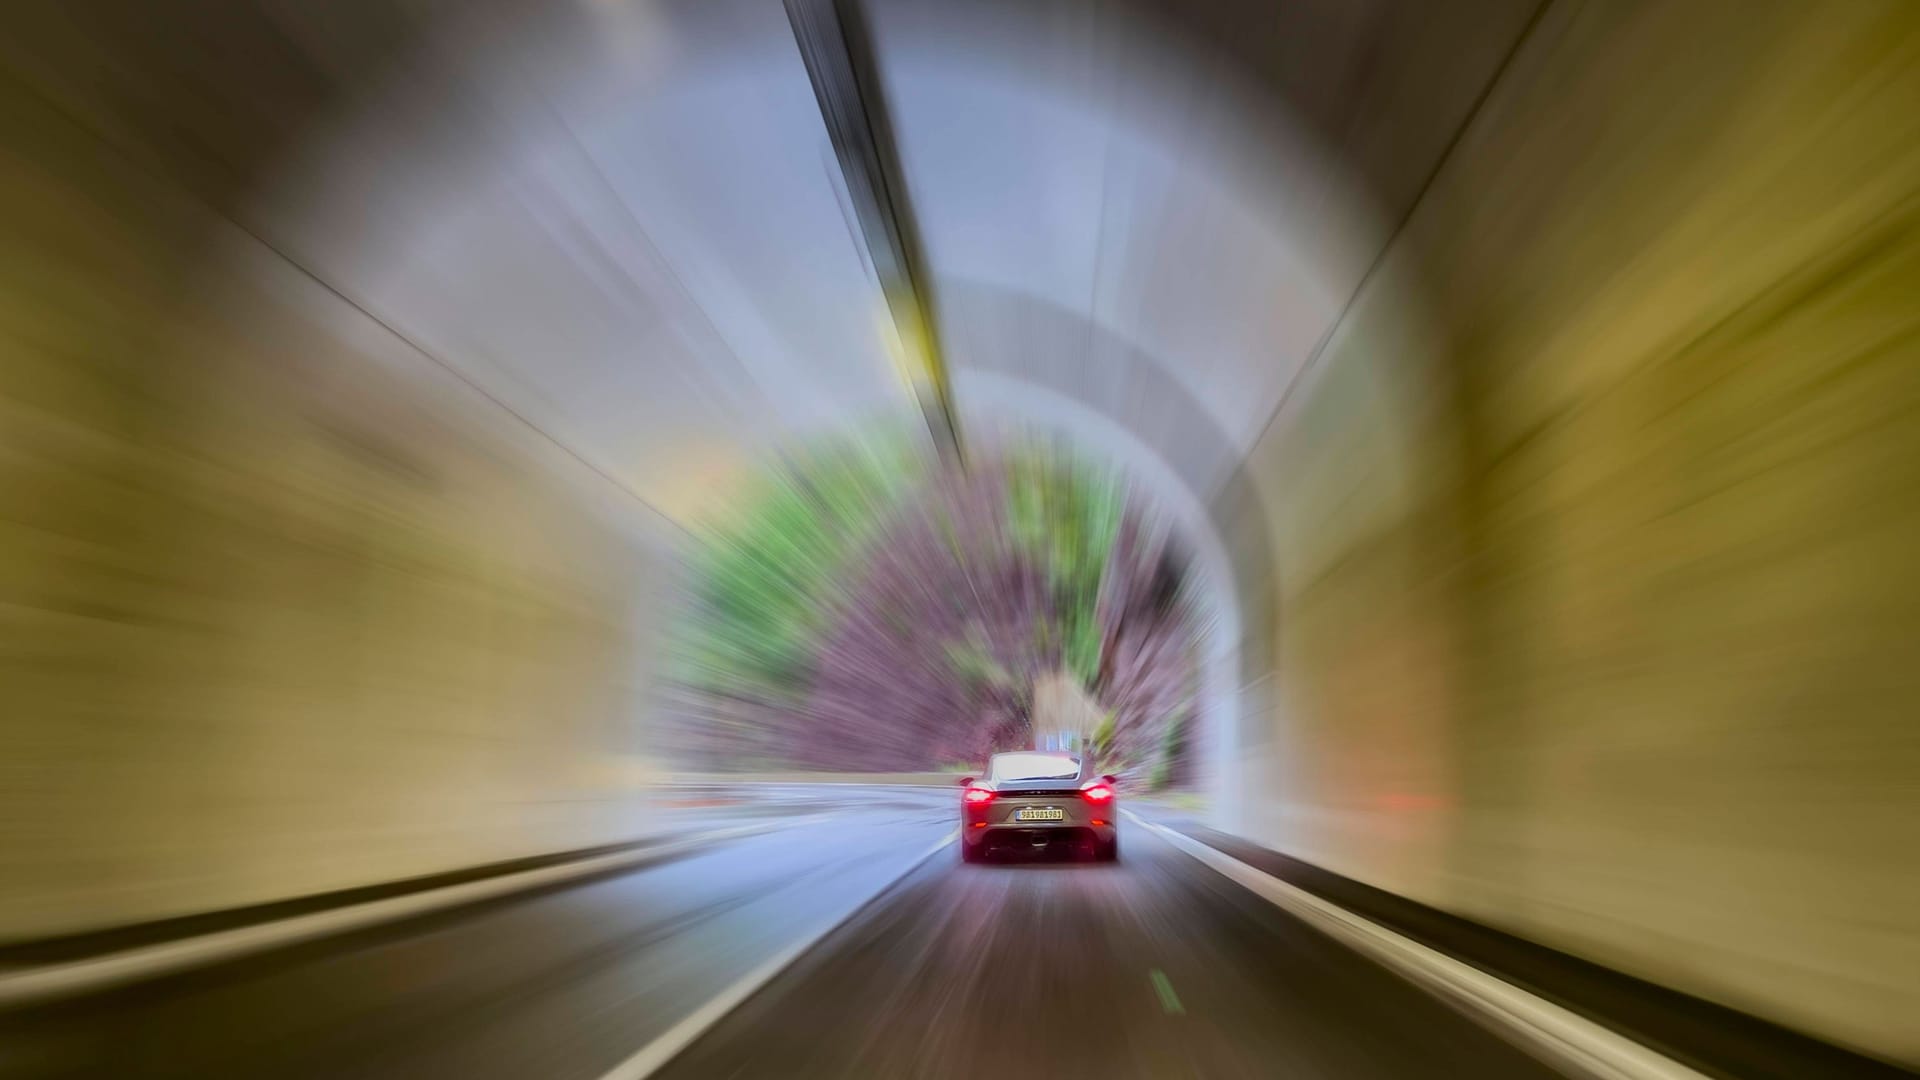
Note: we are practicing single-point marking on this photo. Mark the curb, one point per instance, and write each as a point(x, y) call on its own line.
point(1550, 1032)
point(53, 982)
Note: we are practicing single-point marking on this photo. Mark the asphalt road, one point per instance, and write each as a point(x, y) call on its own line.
point(1152, 967)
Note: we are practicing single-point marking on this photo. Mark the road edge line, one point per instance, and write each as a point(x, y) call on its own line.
point(669, 1044)
point(1556, 1034)
point(41, 984)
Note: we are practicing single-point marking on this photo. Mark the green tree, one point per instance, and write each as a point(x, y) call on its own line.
point(1064, 515)
point(769, 578)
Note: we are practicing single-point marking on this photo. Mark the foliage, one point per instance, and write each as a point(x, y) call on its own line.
point(1168, 759)
point(769, 579)
point(865, 609)
point(1103, 738)
point(1064, 516)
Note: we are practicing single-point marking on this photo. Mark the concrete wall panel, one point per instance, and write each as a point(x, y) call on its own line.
point(285, 606)
point(1597, 593)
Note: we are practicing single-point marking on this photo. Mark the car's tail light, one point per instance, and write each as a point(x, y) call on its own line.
point(977, 796)
point(1098, 794)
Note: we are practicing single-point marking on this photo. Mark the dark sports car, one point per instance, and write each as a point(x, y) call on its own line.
point(1038, 799)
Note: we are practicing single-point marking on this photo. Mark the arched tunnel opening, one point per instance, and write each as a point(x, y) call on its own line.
point(514, 518)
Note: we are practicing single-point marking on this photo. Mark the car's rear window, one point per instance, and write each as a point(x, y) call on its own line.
point(1035, 767)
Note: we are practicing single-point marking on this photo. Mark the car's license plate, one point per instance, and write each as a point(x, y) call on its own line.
point(1040, 813)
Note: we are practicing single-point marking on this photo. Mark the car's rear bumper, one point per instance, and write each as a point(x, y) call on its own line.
point(1037, 834)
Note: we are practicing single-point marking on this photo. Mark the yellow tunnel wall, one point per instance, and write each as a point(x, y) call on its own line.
point(284, 606)
point(1597, 526)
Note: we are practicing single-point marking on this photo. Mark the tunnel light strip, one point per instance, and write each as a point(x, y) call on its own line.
point(33, 986)
point(1558, 1035)
point(651, 1057)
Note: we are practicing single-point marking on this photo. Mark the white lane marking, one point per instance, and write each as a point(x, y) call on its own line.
point(648, 1059)
point(53, 981)
point(1562, 1037)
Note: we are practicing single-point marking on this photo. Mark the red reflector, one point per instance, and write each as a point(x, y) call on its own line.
point(1099, 821)
point(975, 796)
point(1098, 793)
point(982, 824)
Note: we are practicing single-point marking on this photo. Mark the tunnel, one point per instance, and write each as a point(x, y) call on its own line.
point(1533, 384)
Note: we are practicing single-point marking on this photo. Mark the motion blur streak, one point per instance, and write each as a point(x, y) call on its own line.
point(1462, 459)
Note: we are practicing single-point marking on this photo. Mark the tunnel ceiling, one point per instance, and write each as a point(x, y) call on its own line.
point(623, 221)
